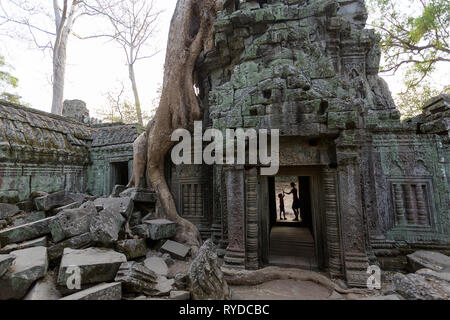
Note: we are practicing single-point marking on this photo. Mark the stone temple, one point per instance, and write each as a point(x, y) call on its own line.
point(372, 188)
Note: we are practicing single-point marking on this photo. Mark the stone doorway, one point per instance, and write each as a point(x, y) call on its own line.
point(290, 242)
point(119, 174)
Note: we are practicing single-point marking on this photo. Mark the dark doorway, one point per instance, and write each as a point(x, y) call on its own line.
point(119, 174)
point(291, 241)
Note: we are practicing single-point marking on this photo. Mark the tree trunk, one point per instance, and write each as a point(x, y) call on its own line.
point(137, 102)
point(191, 32)
point(59, 73)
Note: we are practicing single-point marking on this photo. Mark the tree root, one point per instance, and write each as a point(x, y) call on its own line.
point(257, 277)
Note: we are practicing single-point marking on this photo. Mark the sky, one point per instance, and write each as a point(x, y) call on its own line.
point(96, 67)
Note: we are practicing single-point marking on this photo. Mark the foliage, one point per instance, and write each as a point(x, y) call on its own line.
point(7, 82)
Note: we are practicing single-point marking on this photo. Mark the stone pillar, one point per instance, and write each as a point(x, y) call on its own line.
point(355, 256)
point(252, 230)
point(234, 180)
point(332, 222)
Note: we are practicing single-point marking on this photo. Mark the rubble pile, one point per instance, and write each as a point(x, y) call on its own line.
point(76, 247)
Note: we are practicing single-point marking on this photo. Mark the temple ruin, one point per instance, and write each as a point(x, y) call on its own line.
point(376, 188)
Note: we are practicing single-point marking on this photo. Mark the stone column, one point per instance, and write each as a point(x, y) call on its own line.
point(355, 256)
point(234, 180)
point(332, 222)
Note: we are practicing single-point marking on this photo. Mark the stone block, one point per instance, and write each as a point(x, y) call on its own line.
point(175, 249)
point(104, 291)
point(69, 206)
point(140, 195)
point(161, 229)
point(105, 226)
point(163, 286)
point(58, 199)
point(78, 242)
point(157, 265)
point(428, 260)
point(28, 218)
point(123, 205)
point(180, 295)
point(25, 232)
point(29, 265)
point(8, 210)
point(132, 248)
point(44, 289)
point(6, 261)
point(39, 242)
point(416, 287)
point(141, 231)
point(136, 278)
point(96, 265)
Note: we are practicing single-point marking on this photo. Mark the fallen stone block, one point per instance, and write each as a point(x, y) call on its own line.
point(58, 199)
point(39, 242)
point(206, 279)
point(95, 265)
point(428, 260)
point(135, 219)
point(25, 232)
point(105, 226)
point(3, 224)
point(136, 278)
point(6, 261)
point(140, 195)
point(163, 286)
point(69, 206)
point(161, 229)
point(390, 297)
point(44, 289)
point(118, 189)
point(27, 205)
point(8, 210)
point(29, 265)
point(141, 231)
point(180, 295)
point(72, 222)
point(428, 273)
point(104, 291)
point(175, 249)
point(123, 206)
point(157, 265)
point(28, 218)
point(78, 242)
point(416, 287)
point(133, 248)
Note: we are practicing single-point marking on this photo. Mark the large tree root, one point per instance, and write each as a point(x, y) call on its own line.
point(257, 277)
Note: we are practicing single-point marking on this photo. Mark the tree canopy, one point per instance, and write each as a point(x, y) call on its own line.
point(7, 83)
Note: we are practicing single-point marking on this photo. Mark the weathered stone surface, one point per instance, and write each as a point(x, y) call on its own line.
point(72, 222)
point(428, 259)
point(417, 287)
point(6, 261)
point(175, 249)
point(161, 229)
point(135, 219)
point(69, 206)
point(390, 297)
point(136, 278)
point(163, 286)
point(206, 280)
point(58, 199)
point(123, 206)
point(104, 291)
point(29, 265)
point(8, 210)
point(180, 295)
point(96, 265)
point(118, 189)
point(157, 265)
point(40, 242)
point(132, 248)
point(44, 289)
point(78, 242)
point(25, 232)
point(140, 195)
point(141, 231)
point(105, 226)
point(28, 218)
point(428, 273)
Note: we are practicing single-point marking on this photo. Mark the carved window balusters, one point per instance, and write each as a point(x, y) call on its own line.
point(411, 204)
point(192, 197)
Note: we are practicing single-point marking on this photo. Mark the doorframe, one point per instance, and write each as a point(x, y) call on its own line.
point(317, 208)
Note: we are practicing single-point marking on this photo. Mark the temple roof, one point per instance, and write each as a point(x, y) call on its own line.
point(114, 135)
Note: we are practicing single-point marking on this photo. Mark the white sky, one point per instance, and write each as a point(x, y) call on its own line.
point(95, 67)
